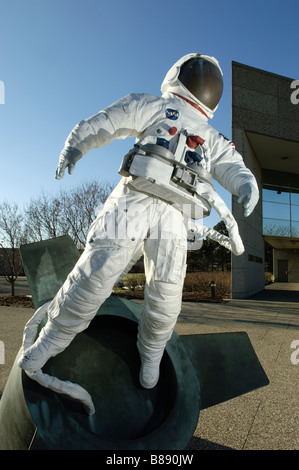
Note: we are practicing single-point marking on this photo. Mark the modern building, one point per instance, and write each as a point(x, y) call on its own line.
point(265, 130)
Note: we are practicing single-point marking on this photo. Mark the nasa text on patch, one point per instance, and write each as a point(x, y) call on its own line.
point(172, 114)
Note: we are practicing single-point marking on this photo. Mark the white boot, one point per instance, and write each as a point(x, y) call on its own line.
point(150, 356)
point(149, 373)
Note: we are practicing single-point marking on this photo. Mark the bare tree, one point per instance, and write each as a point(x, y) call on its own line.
point(280, 230)
point(45, 218)
point(70, 212)
point(80, 208)
point(12, 235)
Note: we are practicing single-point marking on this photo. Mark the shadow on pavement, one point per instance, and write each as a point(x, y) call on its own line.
point(197, 443)
point(278, 292)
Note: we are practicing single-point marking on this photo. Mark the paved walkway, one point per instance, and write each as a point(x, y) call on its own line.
point(265, 419)
point(268, 418)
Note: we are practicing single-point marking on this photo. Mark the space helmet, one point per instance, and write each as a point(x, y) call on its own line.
point(196, 77)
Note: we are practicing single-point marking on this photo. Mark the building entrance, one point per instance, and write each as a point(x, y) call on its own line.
point(283, 270)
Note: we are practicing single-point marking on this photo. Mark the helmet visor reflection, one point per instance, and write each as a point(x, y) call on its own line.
point(203, 79)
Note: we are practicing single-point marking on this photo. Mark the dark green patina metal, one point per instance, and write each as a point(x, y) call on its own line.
point(197, 371)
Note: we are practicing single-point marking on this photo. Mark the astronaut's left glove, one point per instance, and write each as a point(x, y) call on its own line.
point(249, 196)
point(68, 159)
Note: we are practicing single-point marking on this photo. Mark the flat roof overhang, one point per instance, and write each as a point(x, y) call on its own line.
point(275, 154)
point(282, 243)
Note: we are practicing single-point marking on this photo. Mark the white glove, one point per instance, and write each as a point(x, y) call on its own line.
point(68, 159)
point(249, 196)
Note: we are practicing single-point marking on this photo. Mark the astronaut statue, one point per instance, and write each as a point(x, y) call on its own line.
point(166, 181)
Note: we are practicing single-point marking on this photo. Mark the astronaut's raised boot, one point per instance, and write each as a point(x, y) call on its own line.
point(49, 343)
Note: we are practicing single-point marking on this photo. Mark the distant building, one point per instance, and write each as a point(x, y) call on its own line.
point(265, 130)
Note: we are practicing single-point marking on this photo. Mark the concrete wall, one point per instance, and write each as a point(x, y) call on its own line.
point(248, 269)
point(260, 104)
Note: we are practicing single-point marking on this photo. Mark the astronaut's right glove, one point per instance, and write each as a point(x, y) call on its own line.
point(249, 196)
point(68, 159)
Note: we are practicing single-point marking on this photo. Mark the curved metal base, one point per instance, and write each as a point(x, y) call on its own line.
point(104, 360)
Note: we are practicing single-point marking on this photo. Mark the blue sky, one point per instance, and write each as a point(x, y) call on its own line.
point(64, 60)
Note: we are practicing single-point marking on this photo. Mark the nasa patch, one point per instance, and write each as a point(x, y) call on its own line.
point(172, 114)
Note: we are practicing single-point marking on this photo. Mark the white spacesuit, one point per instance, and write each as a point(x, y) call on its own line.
point(167, 179)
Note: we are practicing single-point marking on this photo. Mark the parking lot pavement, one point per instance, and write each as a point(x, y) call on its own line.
point(21, 286)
